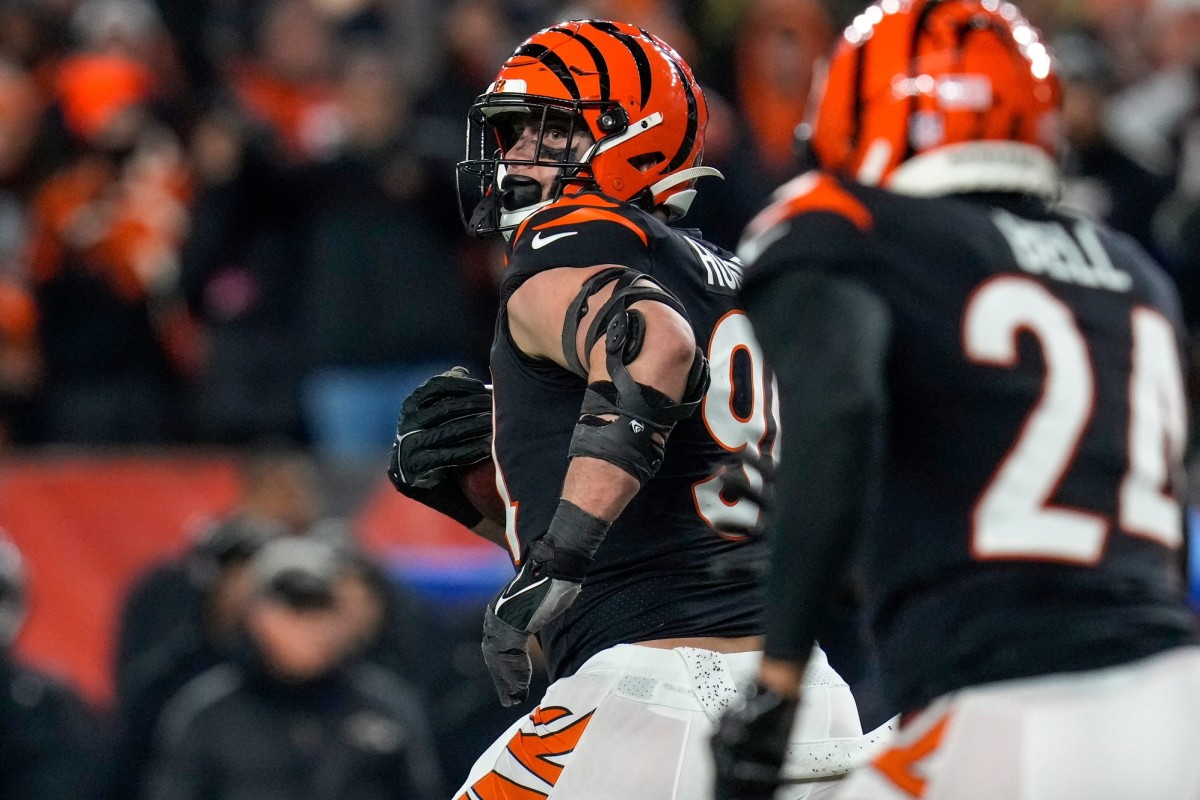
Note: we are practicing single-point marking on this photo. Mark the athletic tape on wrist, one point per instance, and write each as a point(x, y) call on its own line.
point(570, 543)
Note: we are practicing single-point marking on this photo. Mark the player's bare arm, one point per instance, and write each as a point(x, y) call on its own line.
point(628, 411)
point(536, 313)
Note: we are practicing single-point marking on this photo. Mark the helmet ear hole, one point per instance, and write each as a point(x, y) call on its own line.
point(646, 161)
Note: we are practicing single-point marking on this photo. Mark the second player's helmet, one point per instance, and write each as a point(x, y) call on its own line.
point(932, 97)
point(627, 88)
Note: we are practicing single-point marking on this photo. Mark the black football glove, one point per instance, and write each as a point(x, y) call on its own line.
point(445, 423)
point(750, 743)
point(549, 581)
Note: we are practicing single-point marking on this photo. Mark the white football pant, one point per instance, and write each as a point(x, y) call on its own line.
point(1130, 732)
point(634, 723)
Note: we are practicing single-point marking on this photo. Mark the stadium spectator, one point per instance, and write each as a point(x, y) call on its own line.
point(22, 107)
point(49, 739)
point(20, 353)
point(184, 616)
point(281, 494)
point(33, 140)
point(106, 230)
point(778, 50)
point(205, 597)
point(242, 273)
point(296, 714)
point(1178, 223)
point(1145, 117)
point(382, 267)
point(30, 37)
point(1122, 25)
point(1099, 179)
point(244, 266)
point(20, 360)
point(752, 139)
point(287, 82)
point(475, 35)
point(983, 400)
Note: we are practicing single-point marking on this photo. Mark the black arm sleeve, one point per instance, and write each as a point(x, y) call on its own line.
point(827, 340)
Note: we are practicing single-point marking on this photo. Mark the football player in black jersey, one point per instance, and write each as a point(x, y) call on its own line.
point(984, 399)
point(626, 384)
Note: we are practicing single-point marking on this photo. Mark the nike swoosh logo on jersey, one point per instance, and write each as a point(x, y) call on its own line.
point(540, 241)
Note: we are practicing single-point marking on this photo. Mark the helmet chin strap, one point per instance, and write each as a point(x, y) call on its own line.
point(486, 216)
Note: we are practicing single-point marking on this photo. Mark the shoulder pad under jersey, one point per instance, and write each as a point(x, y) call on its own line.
point(812, 218)
point(580, 231)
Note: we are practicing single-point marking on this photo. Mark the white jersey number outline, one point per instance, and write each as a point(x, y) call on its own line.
point(735, 433)
point(1013, 518)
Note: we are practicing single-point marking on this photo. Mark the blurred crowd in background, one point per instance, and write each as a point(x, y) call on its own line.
point(270, 656)
point(228, 222)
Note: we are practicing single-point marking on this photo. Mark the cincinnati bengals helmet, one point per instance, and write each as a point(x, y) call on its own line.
point(625, 87)
point(931, 97)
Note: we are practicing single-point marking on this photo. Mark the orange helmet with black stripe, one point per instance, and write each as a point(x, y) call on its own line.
point(932, 97)
point(629, 90)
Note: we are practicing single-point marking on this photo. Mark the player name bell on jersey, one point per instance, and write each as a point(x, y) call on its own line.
point(1048, 248)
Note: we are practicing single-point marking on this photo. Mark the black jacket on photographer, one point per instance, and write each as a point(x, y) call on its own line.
point(48, 737)
point(238, 732)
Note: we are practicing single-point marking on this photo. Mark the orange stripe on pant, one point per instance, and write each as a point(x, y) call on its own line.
point(533, 751)
point(495, 786)
point(897, 763)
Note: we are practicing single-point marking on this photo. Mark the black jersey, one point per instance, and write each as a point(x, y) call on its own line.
point(663, 570)
point(1026, 515)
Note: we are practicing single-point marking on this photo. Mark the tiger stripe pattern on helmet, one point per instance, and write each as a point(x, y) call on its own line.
point(912, 77)
point(639, 46)
point(639, 56)
point(689, 135)
point(633, 94)
point(539, 52)
point(598, 61)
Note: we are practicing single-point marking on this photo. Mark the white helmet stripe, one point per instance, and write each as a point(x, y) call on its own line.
point(635, 129)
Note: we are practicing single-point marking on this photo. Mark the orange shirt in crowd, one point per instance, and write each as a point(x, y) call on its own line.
point(780, 42)
point(305, 115)
point(123, 223)
point(18, 314)
point(93, 88)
